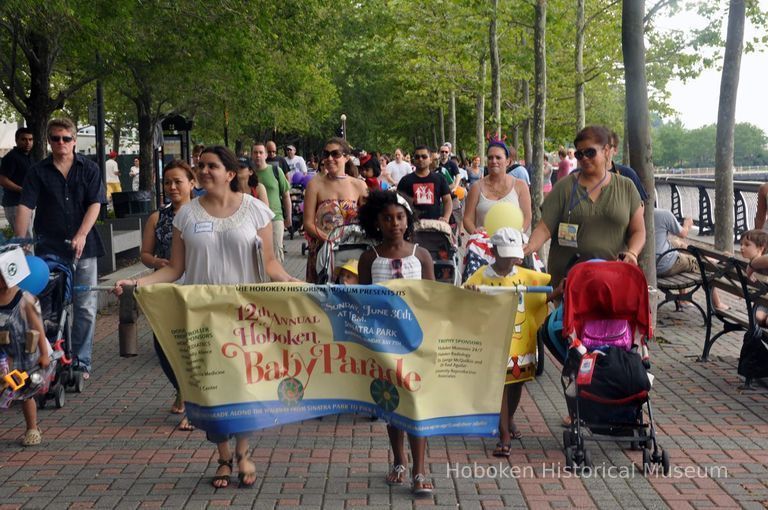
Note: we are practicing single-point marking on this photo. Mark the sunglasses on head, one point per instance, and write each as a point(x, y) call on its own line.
point(421, 156)
point(586, 153)
point(397, 268)
point(335, 154)
point(57, 139)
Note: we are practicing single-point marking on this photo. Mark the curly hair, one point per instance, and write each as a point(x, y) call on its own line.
point(375, 203)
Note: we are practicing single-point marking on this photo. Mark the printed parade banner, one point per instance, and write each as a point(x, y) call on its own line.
point(427, 357)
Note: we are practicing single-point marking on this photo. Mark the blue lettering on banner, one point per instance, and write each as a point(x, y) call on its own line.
point(381, 321)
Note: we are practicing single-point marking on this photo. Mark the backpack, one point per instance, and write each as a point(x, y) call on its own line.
point(608, 332)
point(753, 359)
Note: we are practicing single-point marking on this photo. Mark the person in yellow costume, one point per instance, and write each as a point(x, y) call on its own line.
point(507, 249)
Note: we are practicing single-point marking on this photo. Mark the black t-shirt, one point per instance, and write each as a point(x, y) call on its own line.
point(427, 193)
point(449, 170)
point(14, 166)
point(281, 163)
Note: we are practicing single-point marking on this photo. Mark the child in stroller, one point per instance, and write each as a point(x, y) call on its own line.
point(438, 239)
point(605, 379)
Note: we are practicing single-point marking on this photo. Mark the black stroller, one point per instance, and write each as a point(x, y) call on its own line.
point(57, 308)
point(605, 378)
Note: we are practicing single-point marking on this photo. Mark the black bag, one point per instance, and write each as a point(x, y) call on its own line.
point(753, 359)
point(618, 375)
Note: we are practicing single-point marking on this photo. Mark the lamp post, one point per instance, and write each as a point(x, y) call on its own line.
point(344, 126)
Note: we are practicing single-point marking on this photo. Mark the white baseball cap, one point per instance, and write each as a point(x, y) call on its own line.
point(508, 243)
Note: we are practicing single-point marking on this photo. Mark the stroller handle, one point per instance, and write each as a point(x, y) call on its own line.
point(492, 289)
point(92, 288)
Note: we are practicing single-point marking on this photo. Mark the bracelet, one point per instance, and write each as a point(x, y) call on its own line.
point(632, 253)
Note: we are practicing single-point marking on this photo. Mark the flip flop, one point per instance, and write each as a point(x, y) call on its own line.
point(421, 487)
point(223, 478)
point(396, 475)
point(515, 433)
point(185, 425)
point(502, 450)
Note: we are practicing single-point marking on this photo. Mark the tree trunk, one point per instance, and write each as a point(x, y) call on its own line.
point(441, 121)
point(580, 26)
point(638, 126)
point(39, 105)
point(146, 142)
point(493, 42)
point(539, 106)
point(726, 120)
point(480, 111)
point(452, 120)
point(527, 144)
point(115, 128)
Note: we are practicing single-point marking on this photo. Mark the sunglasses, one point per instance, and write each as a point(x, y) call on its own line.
point(421, 156)
point(59, 139)
point(335, 154)
point(397, 268)
point(586, 153)
point(444, 152)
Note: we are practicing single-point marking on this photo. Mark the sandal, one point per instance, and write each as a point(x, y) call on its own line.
point(32, 437)
point(396, 475)
point(515, 433)
point(178, 405)
point(241, 475)
point(502, 450)
point(421, 487)
point(222, 478)
point(185, 425)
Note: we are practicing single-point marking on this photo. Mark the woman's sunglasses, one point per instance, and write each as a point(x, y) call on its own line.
point(586, 153)
point(335, 154)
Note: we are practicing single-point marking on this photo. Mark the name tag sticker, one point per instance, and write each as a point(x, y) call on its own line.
point(203, 226)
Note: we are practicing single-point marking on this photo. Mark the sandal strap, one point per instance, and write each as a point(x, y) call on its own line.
point(398, 468)
point(225, 462)
point(420, 478)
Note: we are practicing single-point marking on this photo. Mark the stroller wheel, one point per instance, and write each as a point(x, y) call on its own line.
point(79, 382)
point(665, 462)
point(646, 461)
point(58, 397)
point(567, 439)
point(570, 462)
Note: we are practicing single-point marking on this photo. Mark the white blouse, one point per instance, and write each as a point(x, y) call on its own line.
point(222, 251)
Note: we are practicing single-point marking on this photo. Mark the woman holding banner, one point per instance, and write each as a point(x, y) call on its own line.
point(218, 239)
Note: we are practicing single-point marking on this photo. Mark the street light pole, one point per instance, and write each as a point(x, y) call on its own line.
point(344, 126)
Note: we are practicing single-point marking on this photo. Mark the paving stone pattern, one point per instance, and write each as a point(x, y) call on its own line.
point(115, 445)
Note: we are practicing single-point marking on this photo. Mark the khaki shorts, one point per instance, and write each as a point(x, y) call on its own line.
point(685, 263)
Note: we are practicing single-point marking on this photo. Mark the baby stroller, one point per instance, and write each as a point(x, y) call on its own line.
point(57, 308)
point(605, 379)
point(439, 240)
point(297, 205)
point(346, 242)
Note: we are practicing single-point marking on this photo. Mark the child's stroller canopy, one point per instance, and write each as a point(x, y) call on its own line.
point(606, 290)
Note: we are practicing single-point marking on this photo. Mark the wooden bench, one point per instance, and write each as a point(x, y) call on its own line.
point(728, 274)
point(681, 287)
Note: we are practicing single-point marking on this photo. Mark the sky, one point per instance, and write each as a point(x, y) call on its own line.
point(697, 100)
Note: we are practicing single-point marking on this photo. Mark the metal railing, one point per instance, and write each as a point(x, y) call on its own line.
point(708, 171)
point(695, 198)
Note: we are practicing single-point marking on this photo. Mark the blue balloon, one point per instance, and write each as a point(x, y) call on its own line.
point(38, 275)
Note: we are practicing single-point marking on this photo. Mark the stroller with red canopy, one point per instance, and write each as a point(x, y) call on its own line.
point(605, 375)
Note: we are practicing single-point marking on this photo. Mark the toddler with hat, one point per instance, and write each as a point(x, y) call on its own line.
point(505, 271)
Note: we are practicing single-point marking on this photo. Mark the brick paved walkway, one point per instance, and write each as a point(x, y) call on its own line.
point(115, 446)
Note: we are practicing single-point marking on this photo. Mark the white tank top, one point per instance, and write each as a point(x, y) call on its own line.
point(484, 204)
point(383, 269)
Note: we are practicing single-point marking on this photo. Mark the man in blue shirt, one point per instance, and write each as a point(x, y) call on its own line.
point(66, 192)
point(626, 171)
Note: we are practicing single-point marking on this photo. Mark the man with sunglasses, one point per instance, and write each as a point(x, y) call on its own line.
point(66, 191)
point(428, 192)
point(13, 170)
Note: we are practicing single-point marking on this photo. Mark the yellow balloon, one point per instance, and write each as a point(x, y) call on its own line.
point(501, 215)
